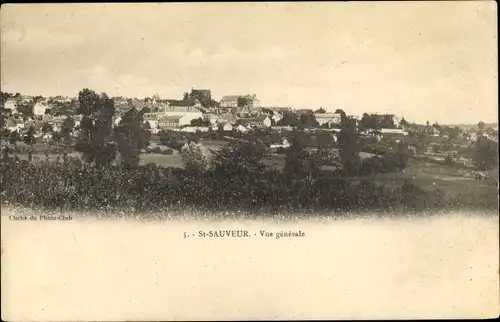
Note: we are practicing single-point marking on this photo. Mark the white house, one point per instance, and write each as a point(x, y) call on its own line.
point(189, 113)
point(174, 121)
point(230, 101)
point(39, 108)
point(194, 129)
point(173, 114)
point(151, 119)
point(11, 105)
point(241, 128)
point(330, 118)
point(12, 125)
point(227, 127)
point(276, 117)
point(434, 132)
point(393, 131)
point(259, 121)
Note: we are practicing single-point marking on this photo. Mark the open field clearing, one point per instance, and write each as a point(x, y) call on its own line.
point(438, 267)
point(162, 159)
point(448, 178)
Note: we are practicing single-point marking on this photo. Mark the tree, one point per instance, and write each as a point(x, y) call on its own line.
point(361, 127)
point(47, 128)
point(240, 159)
point(401, 156)
point(195, 157)
point(403, 122)
point(485, 153)
point(204, 98)
point(30, 140)
point(131, 136)
point(323, 139)
point(320, 111)
point(3, 120)
point(200, 122)
point(326, 125)
point(170, 138)
point(13, 138)
point(56, 138)
point(343, 117)
point(4, 96)
point(480, 127)
point(95, 141)
point(297, 161)
point(368, 121)
point(349, 145)
point(66, 133)
point(242, 101)
point(25, 108)
point(308, 121)
point(289, 119)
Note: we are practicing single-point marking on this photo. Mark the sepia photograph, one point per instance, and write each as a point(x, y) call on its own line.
point(249, 161)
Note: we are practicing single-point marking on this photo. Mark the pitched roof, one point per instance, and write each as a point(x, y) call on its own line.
point(177, 102)
point(181, 109)
point(326, 115)
point(231, 97)
point(253, 120)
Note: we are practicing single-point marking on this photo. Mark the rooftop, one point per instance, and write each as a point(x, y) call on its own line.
point(170, 118)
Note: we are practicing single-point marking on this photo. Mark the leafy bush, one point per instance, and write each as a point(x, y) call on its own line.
point(195, 157)
point(448, 160)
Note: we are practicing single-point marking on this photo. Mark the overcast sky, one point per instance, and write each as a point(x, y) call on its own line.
point(433, 61)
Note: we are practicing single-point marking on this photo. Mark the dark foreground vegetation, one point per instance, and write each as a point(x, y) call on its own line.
point(77, 186)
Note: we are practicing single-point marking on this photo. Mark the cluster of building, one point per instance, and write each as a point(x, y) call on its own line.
point(232, 112)
point(197, 111)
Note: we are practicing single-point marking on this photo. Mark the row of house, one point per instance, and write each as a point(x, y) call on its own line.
point(39, 108)
point(234, 110)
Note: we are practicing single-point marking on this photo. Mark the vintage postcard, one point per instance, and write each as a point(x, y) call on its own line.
point(249, 161)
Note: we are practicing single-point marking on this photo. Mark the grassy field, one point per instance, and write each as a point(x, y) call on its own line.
point(214, 144)
point(453, 181)
point(162, 159)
